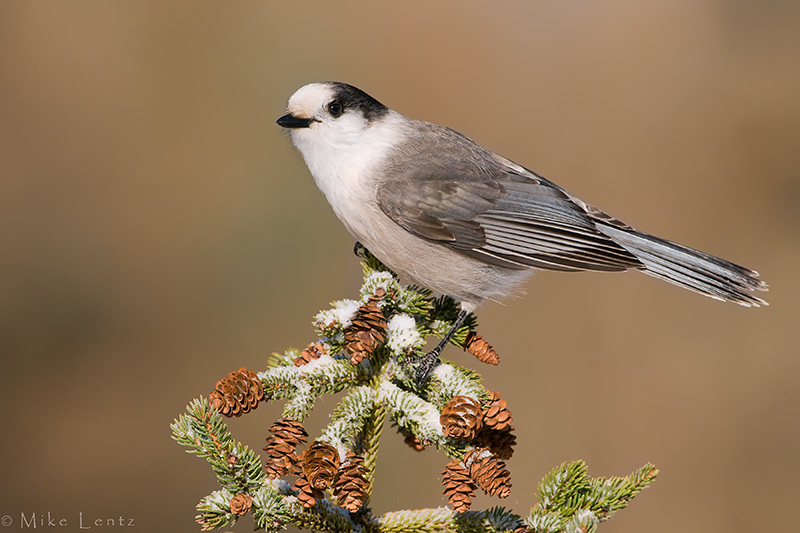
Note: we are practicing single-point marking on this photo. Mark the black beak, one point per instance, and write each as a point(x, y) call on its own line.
point(290, 121)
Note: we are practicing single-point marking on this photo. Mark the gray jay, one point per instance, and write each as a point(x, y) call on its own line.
point(451, 216)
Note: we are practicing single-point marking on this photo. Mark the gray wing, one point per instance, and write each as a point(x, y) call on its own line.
point(505, 218)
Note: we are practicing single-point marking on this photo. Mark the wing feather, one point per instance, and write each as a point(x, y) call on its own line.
point(504, 218)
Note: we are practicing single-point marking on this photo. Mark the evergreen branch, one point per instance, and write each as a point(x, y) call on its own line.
point(583, 521)
point(275, 509)
point(349, 417)
point(385, 328)
point(278, 382)
point(418, 521)
point(612, 494)
point(570, 500)
point(450, 380)
point(560, 484)
point(329, 376)
point(443, 314)
point(414, 301)
point(412, 413)
point(442, 519)
point(372, 434)
point(202, 429)
point(378, 280)
point(215, 510)
point(283, 359)
point(324, 516)
point(300, 402)
point(303, 385)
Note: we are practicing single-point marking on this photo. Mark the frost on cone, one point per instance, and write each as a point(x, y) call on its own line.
point(320, 464)
point(240, 504)
point(497, 416)
point(287, 434)
point(488, 472)
point(237, 393)
point(314, 350)
point(351, 485)
point(458, 486)
point(367, 329)
point(461, 418)
point(481, 349)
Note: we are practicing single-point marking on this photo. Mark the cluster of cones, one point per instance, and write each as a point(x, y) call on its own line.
point(318, 467)
point(488, 429)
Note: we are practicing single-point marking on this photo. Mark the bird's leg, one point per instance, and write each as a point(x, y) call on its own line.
point(430, 360)
point(358, 249)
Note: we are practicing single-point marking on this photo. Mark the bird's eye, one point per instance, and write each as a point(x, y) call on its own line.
point(335, 108)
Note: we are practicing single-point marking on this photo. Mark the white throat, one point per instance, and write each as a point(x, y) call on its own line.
point(343, 157)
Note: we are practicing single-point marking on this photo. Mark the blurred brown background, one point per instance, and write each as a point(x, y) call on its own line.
point(157, 230)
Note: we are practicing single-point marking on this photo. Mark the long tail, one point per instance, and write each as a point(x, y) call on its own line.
point(689, 268)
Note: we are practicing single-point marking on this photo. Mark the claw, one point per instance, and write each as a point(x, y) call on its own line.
point(427, 364)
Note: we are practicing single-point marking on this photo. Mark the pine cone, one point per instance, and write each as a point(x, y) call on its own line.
point(461, 418)
point(351, 484)
point(314, 350)
point(497, 416)
point(458, 486)
point(481, 349)
point(413, 442)
point(307, 495)
point(367, 329)
point(488, 472)
point(238, 393)
point(501, 443)
point(287, 434)
point(320, 464)
point(240, 504)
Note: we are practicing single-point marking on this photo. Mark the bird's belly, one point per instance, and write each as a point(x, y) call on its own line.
point(433, 265)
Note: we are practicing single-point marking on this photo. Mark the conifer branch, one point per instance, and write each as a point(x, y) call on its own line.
point(372, 436)
point(366, 348)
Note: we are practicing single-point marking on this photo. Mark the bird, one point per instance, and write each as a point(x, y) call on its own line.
point(449, 215)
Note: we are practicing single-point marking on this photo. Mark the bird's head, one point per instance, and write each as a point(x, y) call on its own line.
point(339, 129)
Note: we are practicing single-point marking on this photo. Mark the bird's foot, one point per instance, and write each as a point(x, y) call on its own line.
point(426, 364)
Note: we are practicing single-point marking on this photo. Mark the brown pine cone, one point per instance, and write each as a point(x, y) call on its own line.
point(413, 442)
point(351, 487)
point(320, 463)
point(488, 472)
point(497, 416)
point(461, 418)
point(458, 486)
point(237, 393)
point(367, 329)
point(501, 443)
point(314, 350)
point(307, 495)
point(287, 434)
point(240, 504)
point(481, 349)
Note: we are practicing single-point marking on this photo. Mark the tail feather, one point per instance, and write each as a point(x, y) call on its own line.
point(689, 268)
